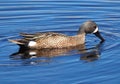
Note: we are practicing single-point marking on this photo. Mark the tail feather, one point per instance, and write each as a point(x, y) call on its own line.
point(19, 42)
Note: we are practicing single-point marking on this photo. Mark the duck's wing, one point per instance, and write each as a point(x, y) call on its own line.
point(40, 35)
point(33, 37)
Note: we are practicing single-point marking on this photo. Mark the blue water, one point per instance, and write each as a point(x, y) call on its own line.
point(95, 64)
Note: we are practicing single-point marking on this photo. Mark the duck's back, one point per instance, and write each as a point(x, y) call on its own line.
point(47, 40)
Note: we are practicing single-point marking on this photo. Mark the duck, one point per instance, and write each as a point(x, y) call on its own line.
point(52, 40)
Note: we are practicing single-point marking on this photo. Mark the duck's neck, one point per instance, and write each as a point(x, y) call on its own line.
point(81, 30)
point(80, 38)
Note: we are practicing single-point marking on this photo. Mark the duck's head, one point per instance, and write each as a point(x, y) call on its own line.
point(90, 27)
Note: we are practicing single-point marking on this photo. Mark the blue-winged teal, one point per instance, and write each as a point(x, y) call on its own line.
point(58, 40)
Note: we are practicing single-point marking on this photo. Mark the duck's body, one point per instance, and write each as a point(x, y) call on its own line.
point(57, 40)
point(49, 40)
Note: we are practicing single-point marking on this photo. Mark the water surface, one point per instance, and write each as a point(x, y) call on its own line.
point(93, 63)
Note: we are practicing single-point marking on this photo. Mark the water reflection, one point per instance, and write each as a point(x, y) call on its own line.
point(46, 55)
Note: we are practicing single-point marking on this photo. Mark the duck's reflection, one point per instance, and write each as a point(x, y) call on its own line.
point(88, 55)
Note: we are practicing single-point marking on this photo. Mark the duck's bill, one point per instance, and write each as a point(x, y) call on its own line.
point(99, 36)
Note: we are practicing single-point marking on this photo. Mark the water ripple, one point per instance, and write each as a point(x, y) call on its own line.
point(62, 16)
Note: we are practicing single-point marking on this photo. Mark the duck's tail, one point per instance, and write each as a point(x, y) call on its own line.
point(19, 42)
point(16, 42)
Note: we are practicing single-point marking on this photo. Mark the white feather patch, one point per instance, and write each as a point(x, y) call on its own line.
point(95, 30)
point(32, 53)
point(32, 43)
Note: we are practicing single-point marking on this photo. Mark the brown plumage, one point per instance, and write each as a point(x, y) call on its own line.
point(57, 40)
point(49, 40)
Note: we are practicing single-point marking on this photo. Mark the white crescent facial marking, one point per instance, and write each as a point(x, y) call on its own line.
point(32, 43)
point(95, 30)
